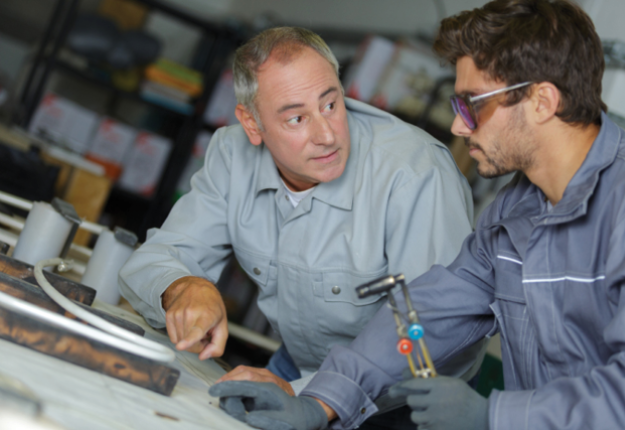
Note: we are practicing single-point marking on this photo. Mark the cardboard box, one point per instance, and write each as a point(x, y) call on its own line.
point(126, 13)
point(220, 108)
point(371, 60)
point(195, 163)
point(412, 72)
point(64, 122)
point(144, 164)
point(80, 183)
point(51, 117)
point(111, 142)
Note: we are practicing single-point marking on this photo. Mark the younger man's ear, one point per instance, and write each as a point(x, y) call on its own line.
point(546, 100)
point(249, 124)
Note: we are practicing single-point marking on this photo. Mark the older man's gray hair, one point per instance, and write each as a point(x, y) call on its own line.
point(282, 41)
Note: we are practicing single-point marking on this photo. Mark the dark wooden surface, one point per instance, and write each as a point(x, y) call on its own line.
point(34, 294)
point(17, 279)
point(72, 290)
point(84, 352)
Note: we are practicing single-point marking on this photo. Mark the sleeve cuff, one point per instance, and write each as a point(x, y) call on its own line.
point(509, 410)
point(344, 396)
point(159, 289)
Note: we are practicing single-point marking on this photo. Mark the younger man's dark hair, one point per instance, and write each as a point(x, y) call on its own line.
point(515, 41)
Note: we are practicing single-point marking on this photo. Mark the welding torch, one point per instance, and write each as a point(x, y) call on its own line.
point(406, 333)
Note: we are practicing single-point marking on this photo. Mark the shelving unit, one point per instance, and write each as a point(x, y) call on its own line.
point(132, 211)
point(85, 75)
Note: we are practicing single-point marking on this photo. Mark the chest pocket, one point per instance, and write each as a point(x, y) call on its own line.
point(256, 267)
point(339, 311)
point(265, 275)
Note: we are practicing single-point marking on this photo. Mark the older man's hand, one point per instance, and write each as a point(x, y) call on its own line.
point(443, 403)
point(246, 373)
point(266, 406)
point(196, 317)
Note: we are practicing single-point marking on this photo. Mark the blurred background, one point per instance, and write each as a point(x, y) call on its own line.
point(111, 104)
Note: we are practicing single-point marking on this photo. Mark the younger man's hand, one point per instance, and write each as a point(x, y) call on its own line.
point(443, 403)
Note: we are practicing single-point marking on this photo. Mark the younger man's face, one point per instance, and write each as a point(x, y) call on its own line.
point(502, 141)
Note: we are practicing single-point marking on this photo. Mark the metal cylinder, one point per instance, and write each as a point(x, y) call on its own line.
point(44, 235)
point(109, 255)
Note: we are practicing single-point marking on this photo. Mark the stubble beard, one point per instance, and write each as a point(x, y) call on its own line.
point(517, 155)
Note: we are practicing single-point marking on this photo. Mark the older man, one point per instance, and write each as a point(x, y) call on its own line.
point(314, 194)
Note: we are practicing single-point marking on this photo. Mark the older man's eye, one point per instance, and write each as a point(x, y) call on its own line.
point(295, 120)
point(330, 107)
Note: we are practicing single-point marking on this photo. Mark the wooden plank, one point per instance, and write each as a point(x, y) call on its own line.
point(71, 290)
point(33, 294)
point(87, 353)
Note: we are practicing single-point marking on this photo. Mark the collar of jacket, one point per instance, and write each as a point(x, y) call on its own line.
point(574, 203)
point(338, 193)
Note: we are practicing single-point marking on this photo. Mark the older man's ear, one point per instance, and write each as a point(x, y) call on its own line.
point(249, 123)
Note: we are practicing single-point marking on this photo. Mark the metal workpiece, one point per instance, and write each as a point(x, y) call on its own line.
point(69, 213)
point(110, 253)
point(379, 286)
point(126, 237)
point(409, 330)
point(45, 234)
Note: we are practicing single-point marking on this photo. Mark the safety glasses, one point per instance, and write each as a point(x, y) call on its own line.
point(466, 105)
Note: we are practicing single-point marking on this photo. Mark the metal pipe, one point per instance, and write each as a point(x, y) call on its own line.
point(9, 221)
point(15, 201)
point(27, 205)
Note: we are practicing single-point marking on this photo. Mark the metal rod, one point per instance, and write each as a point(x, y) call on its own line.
point(26, 205)
point(413, 369)
point(426, 356)
point(401, 327)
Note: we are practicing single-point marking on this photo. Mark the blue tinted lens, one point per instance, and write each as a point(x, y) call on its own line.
point(460, 108)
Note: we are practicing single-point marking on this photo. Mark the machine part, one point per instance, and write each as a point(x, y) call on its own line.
point(406, 335)
point(44, 235)
point(415, 331)
point(27, 205)
point(404, 346)
point(110, 253)
point(4, 248)
point(108, 333)
point(379, 286)
point(68, 211)
point(126, 237)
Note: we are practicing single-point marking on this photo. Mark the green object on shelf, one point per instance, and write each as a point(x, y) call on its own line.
point(491, 375)
point(179, 71)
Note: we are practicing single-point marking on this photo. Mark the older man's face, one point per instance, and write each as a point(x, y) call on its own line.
point(304, 120)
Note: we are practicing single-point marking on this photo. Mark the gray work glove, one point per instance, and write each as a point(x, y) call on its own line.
point(266, 406)
point(443, 403)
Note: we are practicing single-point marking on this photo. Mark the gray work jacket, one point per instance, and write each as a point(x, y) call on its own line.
point(548, 280)
point(401, 205)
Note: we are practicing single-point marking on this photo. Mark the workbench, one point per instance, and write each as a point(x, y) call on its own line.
point(76, 398)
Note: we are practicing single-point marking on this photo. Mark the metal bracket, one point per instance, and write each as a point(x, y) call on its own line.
point(69, 213)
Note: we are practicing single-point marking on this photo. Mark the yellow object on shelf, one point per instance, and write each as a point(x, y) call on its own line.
point(127, 14)
point(126, 80)
point(176, 76)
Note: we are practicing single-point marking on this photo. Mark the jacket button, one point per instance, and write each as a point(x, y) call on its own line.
point(363, 410)
point(287, 198)
point(336, 289)
point(256, 271)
